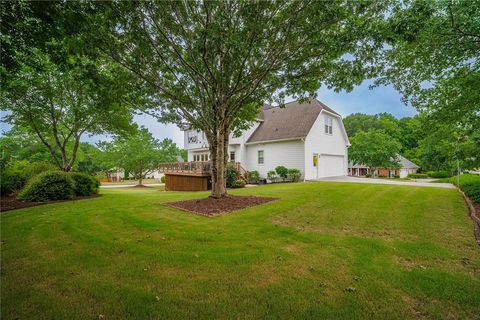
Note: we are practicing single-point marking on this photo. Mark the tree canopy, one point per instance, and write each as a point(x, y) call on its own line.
point(375, 149)
point(211, 65)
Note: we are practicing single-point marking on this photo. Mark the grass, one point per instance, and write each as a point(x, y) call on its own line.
point(404, 252)
point(464, 178)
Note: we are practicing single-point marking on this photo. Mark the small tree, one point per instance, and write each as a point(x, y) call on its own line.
point(60, 104)
point(375, 149)
point(140, 154)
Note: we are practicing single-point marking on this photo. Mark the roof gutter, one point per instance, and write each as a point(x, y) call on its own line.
point(276, 140)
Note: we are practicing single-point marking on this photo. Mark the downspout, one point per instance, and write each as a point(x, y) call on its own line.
point(304, 161)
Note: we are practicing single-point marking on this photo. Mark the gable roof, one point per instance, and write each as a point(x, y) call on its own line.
point(404, 163)
point(293, 121)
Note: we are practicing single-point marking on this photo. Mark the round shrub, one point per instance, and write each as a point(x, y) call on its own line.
point(162, 179)
point(17, 173)
point(85, 184)
point(50, 185)
point(253, 176)
point(238, 184)
point(368, 175)
point(282, 172)
point(294, 174)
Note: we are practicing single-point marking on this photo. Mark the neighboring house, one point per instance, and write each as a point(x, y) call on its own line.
point(307, 136)
point(406, 167)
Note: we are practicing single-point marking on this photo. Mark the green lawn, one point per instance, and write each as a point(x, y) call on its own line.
point(408, 252)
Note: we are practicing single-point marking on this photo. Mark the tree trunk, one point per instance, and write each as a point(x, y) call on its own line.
point(140, 179)
point(218, 152)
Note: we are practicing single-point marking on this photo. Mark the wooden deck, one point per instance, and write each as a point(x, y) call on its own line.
point(190, 176)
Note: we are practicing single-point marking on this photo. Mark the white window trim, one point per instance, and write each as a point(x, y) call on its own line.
point(263, 157)
point(328, 123)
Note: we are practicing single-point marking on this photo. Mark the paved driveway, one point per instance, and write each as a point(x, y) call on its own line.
point(385, 181)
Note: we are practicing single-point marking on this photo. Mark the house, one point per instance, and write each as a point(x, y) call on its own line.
point(307, 136)
point(406, 167)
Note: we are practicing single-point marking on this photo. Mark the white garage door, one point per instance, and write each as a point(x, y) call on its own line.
point(331, 166)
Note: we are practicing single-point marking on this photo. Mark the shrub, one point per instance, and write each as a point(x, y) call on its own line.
point(438, 174)
point(272, 175)
point(396, 176)
point(50, 185)
point(162, 179)
point(417, 175)
point(16, 174)
point(294, 174)
point(253, 176)
point(472, 190)
point(85, 184)
point(282, 172)
point(368, 175)
point(232, 175)
point(238, 184)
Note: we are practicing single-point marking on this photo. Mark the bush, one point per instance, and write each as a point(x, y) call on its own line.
point(272, 175)
point(438, 174)
point(162, 179)
point(396, 176)
point(85, 184)
point(368, 175)
point(232, 175)
point(16, 174)
point(253, 176)
point(417, 176)
point(50, 185)
point(282, 172)
point(238, 184)
point(472, 190)
point(294, 174)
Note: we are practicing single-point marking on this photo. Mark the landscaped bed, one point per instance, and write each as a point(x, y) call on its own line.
point(322, 250)
point(212, 207)
point(11, 202)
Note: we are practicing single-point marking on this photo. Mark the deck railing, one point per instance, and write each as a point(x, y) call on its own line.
point(197, 167)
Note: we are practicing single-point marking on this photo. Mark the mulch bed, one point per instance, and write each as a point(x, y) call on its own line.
point(474, 209)
point(213, 207)
point(8, 203)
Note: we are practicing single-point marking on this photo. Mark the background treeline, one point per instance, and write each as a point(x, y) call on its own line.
point(433, 145)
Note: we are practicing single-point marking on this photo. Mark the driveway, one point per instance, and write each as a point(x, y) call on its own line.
point(385, 181)
point(108, 186)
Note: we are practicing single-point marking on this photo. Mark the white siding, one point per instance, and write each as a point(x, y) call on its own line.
point(331, 149)
point(284, 153)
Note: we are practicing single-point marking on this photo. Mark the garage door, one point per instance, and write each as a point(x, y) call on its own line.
point(331, 166)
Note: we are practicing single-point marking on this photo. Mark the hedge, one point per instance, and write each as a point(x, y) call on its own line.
point(438, 174)
point(85, 185)
point(17, 173)
point(50, 185)
point(417, 176)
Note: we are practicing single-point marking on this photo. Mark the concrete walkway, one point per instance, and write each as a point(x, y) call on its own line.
point(108, 186)
point(385, 181)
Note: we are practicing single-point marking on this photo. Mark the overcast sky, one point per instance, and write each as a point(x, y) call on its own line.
point(361, 99)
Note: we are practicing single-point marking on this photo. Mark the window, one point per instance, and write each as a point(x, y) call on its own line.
point(260, 157)
point(232, 156)
point(328, 125)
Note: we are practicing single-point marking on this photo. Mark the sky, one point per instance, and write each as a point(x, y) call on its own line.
point(360, 99)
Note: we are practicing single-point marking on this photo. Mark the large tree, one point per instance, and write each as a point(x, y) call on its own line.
point(374, 149)
point(210, 65)
point(432, 56)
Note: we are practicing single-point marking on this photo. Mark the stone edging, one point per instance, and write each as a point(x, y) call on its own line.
point(474, 214)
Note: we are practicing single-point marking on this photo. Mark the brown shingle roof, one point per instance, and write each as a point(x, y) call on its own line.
point(293, 121)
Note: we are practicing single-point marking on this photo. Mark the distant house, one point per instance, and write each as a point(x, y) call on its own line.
point(406, 167)
point(307, 136)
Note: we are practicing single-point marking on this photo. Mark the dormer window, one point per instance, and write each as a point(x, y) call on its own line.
point(328, 125)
